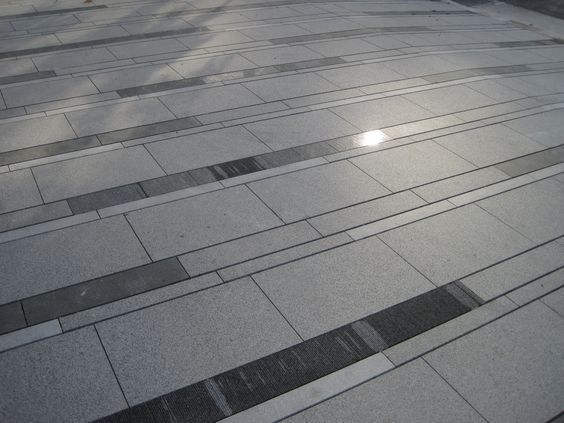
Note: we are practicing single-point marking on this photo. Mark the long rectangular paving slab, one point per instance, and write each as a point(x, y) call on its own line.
point(546, 128)
point(198, 222)
point(359, 75)
point(511, 369)
point(17, 191)
point(67, 256)
point(145, 48)
point(450, 99)
point(118, 116)
point(333, 288)
point(450, 245)
point(32, 132)
point(207, 148)
point(233, 323)
point(273, 89)
point(93, 173)
point(212, 65)
point(133, 77)
point(74, 58)
point(67, 378)
point(316, 190)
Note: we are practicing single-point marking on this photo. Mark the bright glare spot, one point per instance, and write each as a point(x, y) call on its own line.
point(372, 138)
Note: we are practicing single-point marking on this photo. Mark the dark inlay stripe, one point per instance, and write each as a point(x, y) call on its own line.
point(106, 198)
point(52, 12)
point(278, 373)
point(11, 317)
point(168, 183)
point(160, 86)
point(26, 77)
point(314, 63)
point(547, 42)
point(421, 12)
point(468, 73)
point(95, 292)
point(532, 162)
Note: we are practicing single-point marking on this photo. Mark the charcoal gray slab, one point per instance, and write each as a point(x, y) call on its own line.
point(532, 162)
point(33, 215)
point(83, 296)
point(11, 317)
point(168, 183)
point(67, 256)
point(67, 378)
point(105, 198)
point(201, 221)
point(221, 325)
point(18, 190)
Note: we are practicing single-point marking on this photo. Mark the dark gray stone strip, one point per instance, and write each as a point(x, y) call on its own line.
point(420, 13)
point(52, 12)
point(546, 42)
point(33, 215)
point(26, 77)
point(468, 73)
point(148, 130)
point(160, 86)
point(532, 162)
point(500, 70)
point(95, 292)
point(106, 198)
point(246, 73)
point(47, 150)
point(314, 63)
point(11, 317)
point(168, 183)
point(278, 373)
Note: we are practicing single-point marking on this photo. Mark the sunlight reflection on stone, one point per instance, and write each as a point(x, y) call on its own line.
point(372, 138)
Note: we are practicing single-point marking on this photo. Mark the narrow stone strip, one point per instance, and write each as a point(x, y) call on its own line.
point(32, 76)
point(52, 12)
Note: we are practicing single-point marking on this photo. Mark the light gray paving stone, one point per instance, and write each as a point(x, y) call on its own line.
point(57, 375)
point(82, 175)
point(555, 301)
point(39, 92)
point(509, 370)
point(323, 97)
point(359, 75)
point(215, 39)
point(490, 190)
point(535, 210)
point(273, 89)
point(118, 116)
point(434, 39)
point(106, 15)
point(284, 256)
point(494, 90)
point(274, 31)
point(32, 215)
point(546, 128)
point(344, 47)
point(522, 84)
point(17, 191)
point(74, 58)
point(16, 67)
point(146, 48)
point(67, 256)
point(43, 22)
point(538, 288)
point(446, 332)
point(208, 100)
point(422, 126)
point(155, 25)
point(361, 214)
point(410, 165)
point(134, 77)
point(327, 290)
point(395, 85)
point(386, 42)
point(518, 57)
point(317, 190)
point(29, 334)
point(329, 25)
point(32, 132)
point(508, 275)
point(136, 302)
point(212, 65)
point(27, 42)
point(70, 102)
point(222, 325)
point(489, 144)
point(299, 129)
point(241, 113)
point(402, 395)
point(279, 55)
point(206, 148)
point(419, 66)
point(67, 37)
point(447, 100)
point(186, 225)
point(246, 248)
point(455, 185)
point(473, 59)
point(380, 113)
point(453, 244)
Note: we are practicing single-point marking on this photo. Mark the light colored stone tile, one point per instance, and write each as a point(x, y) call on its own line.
point(450, 245)
point(555, 301)
point(40, 92)
point(74, 58)
point(386, 42)
point(91, 34)
point(411, 165)
point(402, 395)
point(56, 375)
point(242, 249)
point(511, 274)
point(29, 334)
point(344, 47)
point(231, 117)
point(146, 48)
point(222, 325)
point(60, 258)
point(208, 100)
point(422, 126)
point(489, 144)
point(535, 210)
point(279, 55)
point(359, 75)
point(538, 288)
point(321, 189)
point(52, 107)
point(274, 31)
point(447, 100)
point(459, 184)
point(446, 332)
point(27, 42)
point(207, 148)
point(16, 67)
point(419, 66)
point(509, 370)
point(133, 77)
point(333, 288)
point(273, 89)
point(156, 25)
point(32, 215)
point(18, 191)
point(211, 65)
point(136, 302)
point(186, 225)
point(118, 116)
point(434, 39)
point(380, 113)
point(494, 90)
point(94, 173)
point(32, 132)
point(546, 128)
point(490, 190)
point(361, 214)
point(215, 39)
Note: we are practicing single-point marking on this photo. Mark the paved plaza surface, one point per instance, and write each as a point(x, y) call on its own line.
point(280, 210)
